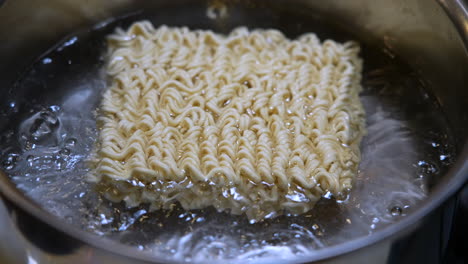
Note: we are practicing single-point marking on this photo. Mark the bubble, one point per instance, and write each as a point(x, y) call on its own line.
point(40, 129)
point(216, 11)
point(396, 211)
point(343, 197)
point(445, 159)
point(64, 152)
point(46, 61)
point(71, 142)
point(10, 162)
point(60, 164)
point(13, 107)
point(8, 165)
point(54, 108)
point(49, 117)
point(30, 160)
point(427, 167)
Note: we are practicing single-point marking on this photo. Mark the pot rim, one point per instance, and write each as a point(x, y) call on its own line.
point(457, 11)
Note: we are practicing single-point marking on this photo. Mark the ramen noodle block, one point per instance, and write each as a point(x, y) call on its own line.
point(251, 122)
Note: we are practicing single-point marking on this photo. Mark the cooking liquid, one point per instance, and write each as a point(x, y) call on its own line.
point(52, 131)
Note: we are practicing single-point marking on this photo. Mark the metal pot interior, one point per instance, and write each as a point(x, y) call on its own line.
point(415, 72)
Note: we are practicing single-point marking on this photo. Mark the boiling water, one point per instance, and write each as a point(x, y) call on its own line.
point(52, 131)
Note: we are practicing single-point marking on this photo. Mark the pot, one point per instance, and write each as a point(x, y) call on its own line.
point(431, 36)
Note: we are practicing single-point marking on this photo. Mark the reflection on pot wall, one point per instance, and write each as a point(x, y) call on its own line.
point(11, 248)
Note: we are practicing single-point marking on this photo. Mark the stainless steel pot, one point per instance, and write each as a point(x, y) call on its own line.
point(432, 36)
